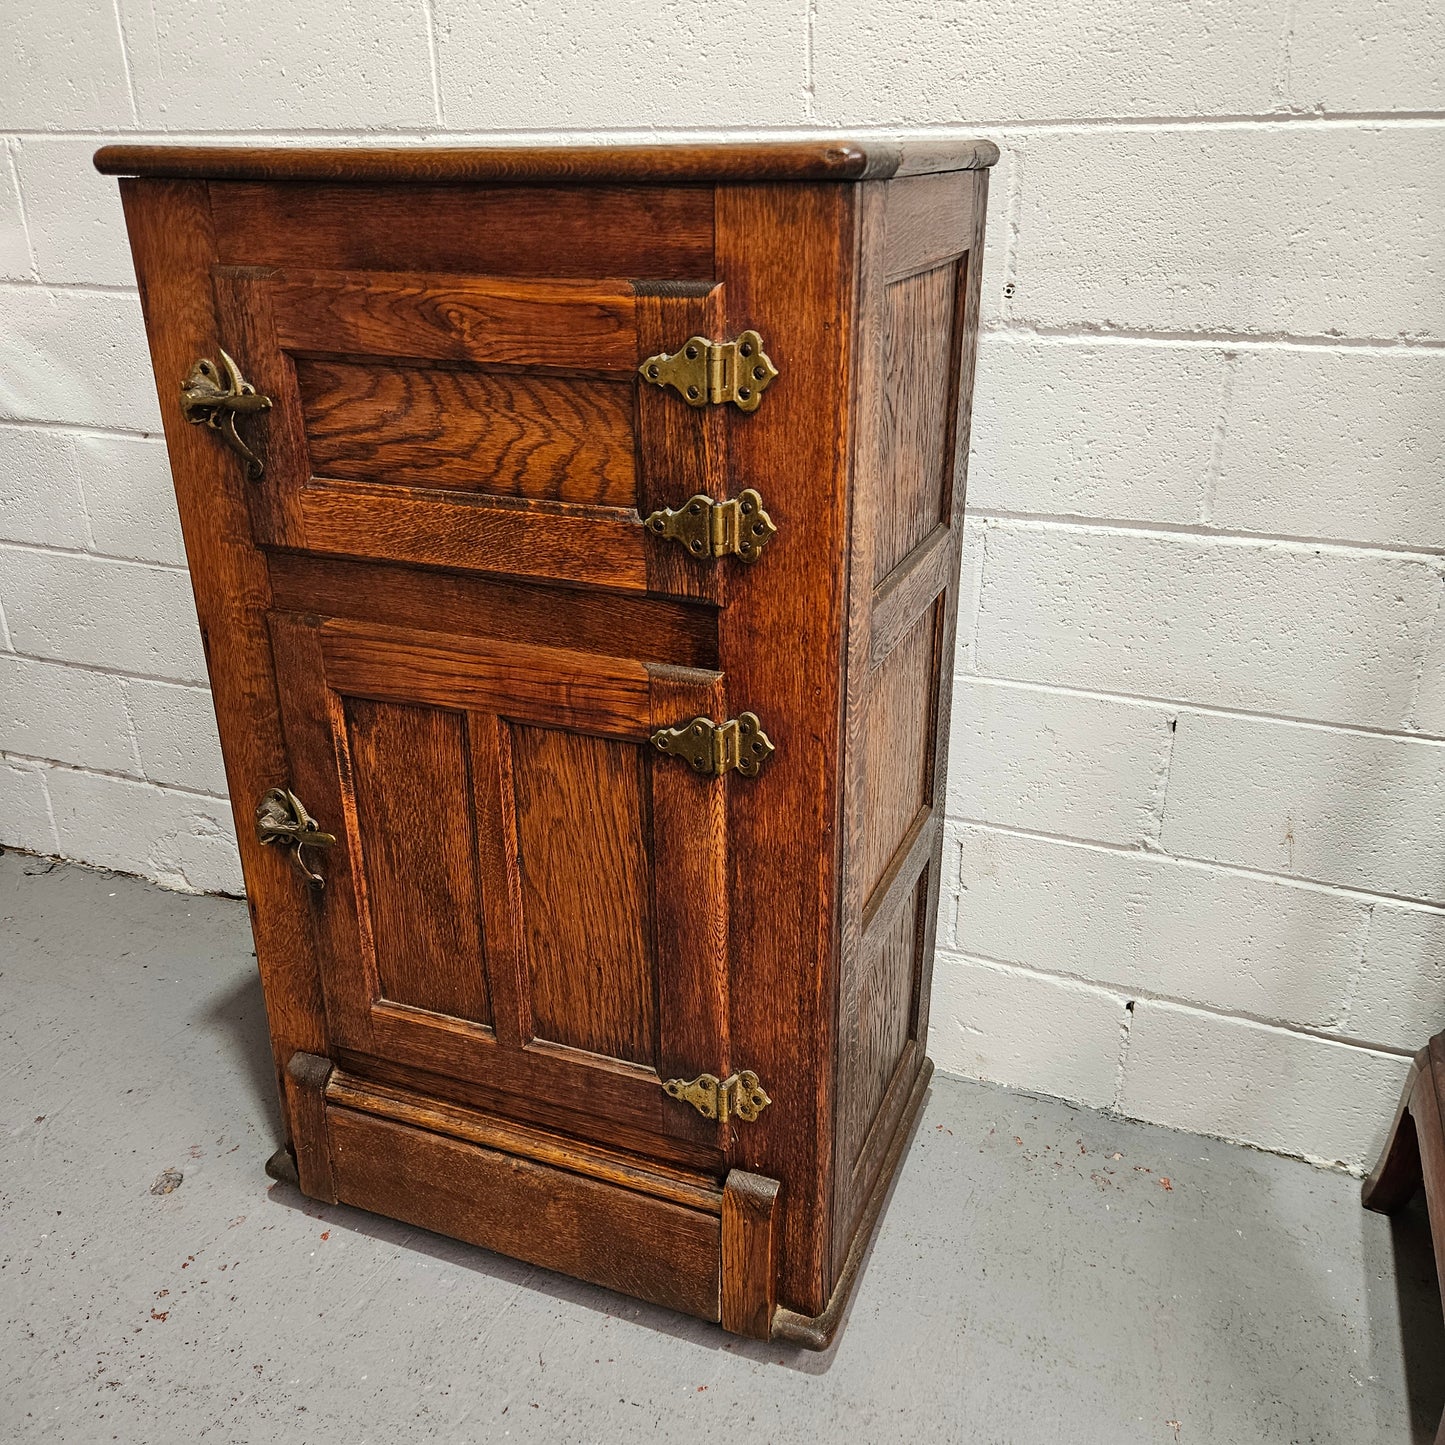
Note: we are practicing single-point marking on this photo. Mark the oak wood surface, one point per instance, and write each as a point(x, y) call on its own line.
point(173, 245)
point(749, 1254)
point(531, 918)
point(595, 230)
point(802, 160)
point(452, 603)
point(622, 1239)
point(406, 1106)
point(563, 439)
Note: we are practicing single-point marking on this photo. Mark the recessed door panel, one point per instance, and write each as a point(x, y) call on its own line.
point(584, 843)
point(420, 912)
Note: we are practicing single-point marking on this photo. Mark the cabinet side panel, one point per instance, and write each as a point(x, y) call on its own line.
point(173, 244)
point(922, 242)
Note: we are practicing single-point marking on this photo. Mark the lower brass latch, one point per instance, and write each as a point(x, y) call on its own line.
point(736, 528)
point(739, 1095)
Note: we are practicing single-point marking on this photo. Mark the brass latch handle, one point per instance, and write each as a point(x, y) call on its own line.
point(214, 396)
point(738, 528)
point(282, 821)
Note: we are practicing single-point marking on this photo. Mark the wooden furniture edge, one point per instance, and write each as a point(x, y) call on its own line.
point(816, 1332)
point(822, 159)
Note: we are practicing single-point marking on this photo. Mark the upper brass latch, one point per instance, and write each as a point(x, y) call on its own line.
point(282, 821)
point(214, 396)
point(706, 371)
point(736, 528)
point(739, 1095)
point(718, 748)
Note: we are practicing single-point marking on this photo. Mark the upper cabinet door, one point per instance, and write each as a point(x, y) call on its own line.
point(493, 424)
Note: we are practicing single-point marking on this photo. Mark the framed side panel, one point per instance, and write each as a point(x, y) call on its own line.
point(921, 251)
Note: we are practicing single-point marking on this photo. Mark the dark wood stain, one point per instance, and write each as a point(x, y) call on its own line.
point(561, 439)
point(410, 771)
point(582, 857)
point(438, 618)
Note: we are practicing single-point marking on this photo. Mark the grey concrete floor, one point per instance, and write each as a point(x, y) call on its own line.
point(1043, 1273)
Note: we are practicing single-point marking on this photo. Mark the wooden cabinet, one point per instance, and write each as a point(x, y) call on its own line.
point(575, 538)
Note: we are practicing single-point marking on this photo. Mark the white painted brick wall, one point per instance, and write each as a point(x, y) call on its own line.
point(1199, 729)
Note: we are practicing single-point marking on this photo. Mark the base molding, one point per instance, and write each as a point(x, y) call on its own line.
point(816, 1332)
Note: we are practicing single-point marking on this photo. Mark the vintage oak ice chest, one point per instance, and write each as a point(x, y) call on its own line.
point(575, 537)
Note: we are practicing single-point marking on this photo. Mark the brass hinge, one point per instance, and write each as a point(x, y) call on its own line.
point(718, 748)
point(706, 371)
point(738, 1095)
point(736, 528)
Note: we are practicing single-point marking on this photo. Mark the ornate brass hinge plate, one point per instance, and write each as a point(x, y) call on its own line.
point(739, 1096)
point(214, 395)
point(282, 821)
point(706, 371)
point(736, 528)
point(718, 748)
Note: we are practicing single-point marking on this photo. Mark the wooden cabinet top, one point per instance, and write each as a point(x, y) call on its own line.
point(827, 159)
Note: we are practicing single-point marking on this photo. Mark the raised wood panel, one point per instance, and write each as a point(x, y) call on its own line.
point(919, 390)
point(410, 775)
point(433, 318)
point(898, 743)
point(603, 547)
point(546, 685)
point(584, 871)
point(544, 231)
point(882, 1013)
point(554, 438)
point(590, 1229)
point(427, 599)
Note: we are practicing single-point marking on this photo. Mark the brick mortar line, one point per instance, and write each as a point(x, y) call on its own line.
point(1128, 992)
point(1208, 709)
point(1127, 527)
point(141, 134)
point(125, 63)
point(102, 671)
point(80, 429)
point(59, 765)
point(20, 207)
point(51, 549)
point(954, 822)
point(1085, 333)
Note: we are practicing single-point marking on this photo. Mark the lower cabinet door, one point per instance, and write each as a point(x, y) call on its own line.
point(524, 907)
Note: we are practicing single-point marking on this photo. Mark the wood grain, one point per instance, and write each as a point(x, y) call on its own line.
point(174, 247)
point(583, 858)
point(919, 392)
point(599, 547)
point(410, 770)
point(305, 1082)
point(429, 600)
point(594, 230)
point(560, 439)
point(804, 160)
point(749, 1254)
point(617, 1238)
point(498, 320)
point(406, 1106)
point(898, 741)
point(478, 637)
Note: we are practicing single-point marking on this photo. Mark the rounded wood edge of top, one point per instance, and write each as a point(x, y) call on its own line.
point(815, 160)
